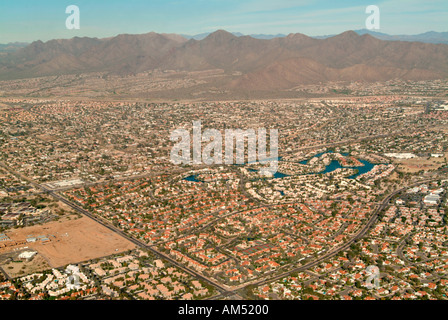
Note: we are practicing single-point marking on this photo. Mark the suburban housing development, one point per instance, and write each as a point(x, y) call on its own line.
point(362, 181)
point(243, 155)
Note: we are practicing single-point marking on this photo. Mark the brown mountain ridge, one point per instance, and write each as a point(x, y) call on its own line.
point(274, 64)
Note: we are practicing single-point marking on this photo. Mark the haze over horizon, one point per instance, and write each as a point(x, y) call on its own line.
point(27, 21)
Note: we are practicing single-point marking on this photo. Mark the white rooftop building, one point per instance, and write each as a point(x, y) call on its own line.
point(432, 199)
point(27, 255)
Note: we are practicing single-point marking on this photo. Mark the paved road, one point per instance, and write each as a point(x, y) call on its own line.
point(115, 229)
point(224, 291)
point(137, 242)
point(334, 252)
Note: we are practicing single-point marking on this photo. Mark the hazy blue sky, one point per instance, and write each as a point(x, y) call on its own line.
point(29, 20)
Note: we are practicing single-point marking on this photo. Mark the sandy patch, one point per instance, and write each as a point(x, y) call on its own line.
point(417, 164)
point(21, 267)
point(72, 241)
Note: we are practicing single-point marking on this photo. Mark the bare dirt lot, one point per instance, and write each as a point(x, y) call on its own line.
point(72, 241)
point(418, 164)
point(15, 267)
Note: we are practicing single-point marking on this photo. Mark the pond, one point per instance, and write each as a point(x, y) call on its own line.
point(334, 165)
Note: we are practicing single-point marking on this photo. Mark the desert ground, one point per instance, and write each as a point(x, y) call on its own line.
point(72, 241)
point(17, 267)
point(418, 164)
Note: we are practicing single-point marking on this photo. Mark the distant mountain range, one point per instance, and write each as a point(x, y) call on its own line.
point(11, 47)
point(202, 36)
point(277, 63)
point(427, 37)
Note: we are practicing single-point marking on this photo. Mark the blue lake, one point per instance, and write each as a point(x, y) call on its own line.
point(334, 165)
point(193, 178)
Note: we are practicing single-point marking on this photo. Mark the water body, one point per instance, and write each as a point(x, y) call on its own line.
point(334, 165)
point(279, 175)
point(193, 178)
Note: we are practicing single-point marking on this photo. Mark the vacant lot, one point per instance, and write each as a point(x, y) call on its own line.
point(417, 164)
point(16, 267)
point(72, 241)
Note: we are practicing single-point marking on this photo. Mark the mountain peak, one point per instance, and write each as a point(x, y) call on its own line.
point(347, 57)
point(297, 36)
point(220, 35)
point(369, 37)
point(348, 35)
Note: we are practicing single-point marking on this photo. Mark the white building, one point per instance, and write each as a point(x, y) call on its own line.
point(27, 255)
point(432, 199)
